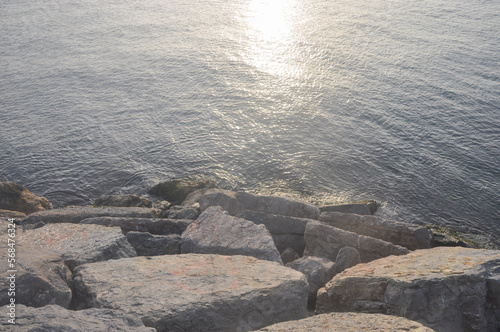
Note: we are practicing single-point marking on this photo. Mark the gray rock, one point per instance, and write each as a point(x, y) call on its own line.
point(6, 214)
point(318, 272)
point(195, 292)
point(348, 321)
point(56, 318)
point(42, 278)
point(183, 212)
point(289, 255)
point(447, 289)
point(16, 197)
point(192, 200)
point(80, 244)
point(176, 190)
point(406, 235)
point(146, 244)
point(128, 200)
point(325, 241)
point(223, 198)
point(365, 208)
point(276, 224)
point(216, 232)
point(283, 241)
point(77, 214)
point(440, 239)
point(346, 258)
point(149, 225)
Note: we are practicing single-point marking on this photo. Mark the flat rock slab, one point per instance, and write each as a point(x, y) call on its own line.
point(41, 277)
point(56, 318)
point(406, 235)
point(147, 244)
point(195, 292)
point(77, 214)
point(348, 321)
point(368, 208)
point(80, 244)
point(447, 289)
point(216, 232)
point(123, 201)
point(149, 225)
point(323, 240)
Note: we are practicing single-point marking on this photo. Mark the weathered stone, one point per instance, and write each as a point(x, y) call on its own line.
point(149, 225)
point(192, 199)
point(364, 208)
point(447, 289)
point(283, 241)
point(318, 272)
point(216, 232)
point(289, 255)
point(276, 224)
point(183, 212)
point(16, 197)
point(176, 190)
point(195, 292)
point(346, 258)
point(406, 235)
point(223, 198)
point(440, 239)
point(41, 277)
point(56, 318)
point(6, 214)
point(77, 214)
point(123, 201)
point(146, 244)
point(348, 321)
point(325, 241)
point(80, 244)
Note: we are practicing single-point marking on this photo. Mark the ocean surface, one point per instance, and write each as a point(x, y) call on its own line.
point(397, 101)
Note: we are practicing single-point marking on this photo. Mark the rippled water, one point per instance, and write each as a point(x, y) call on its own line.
point(393, 100)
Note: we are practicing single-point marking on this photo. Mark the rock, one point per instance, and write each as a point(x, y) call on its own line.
point(346, 258)
point(176, 190)
point(182, 212)
point(77, 214)
point(364, 208)
point(238, 202)
point(41, 277)
point(56, 318)
point(7, 214)
point(149, 225)
point(325, 241)
point(289, 255)
point(195, 292)
point(276, 224)
point(447, 289)
point(80, 244)
point(318, 272)
point(216, 232)
point(348, 321)
point(283, 241)
point(440, 239)
point(146, 244)
point(405, 235)
point(16, 197)
point(162, 205)
point(123, 201)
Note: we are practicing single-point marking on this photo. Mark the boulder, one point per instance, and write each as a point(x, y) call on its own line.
point(283, 241)
point(192, 199)
point(149, 225)
point(123, 201)
point(448, 289)
point(289, 255)
point(276, 224)
point(183, 212)
point(7, 214)
point(16, 197)
point(346, 258)
point(348, 321)
point(362, 208)
point(195, 292)
point(56, 318)
point(147, 244)
point(325, 241)
point(77, 214)
point(41, 277)
point(216, 232)
point(236, 202)
point(80, 244)
point(176, 190)
point(406, 235)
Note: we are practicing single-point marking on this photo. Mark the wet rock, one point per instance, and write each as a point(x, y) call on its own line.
point(447, 289)
point(348, 321)
point(56, 318)
point(123, 201)
point(182, 212)
point(77, 214)
point(176, 190)
point(346, 258)
point(147, 244)
point(80, 244)
point(41, 277)
point(440, 239)
point(364, 208)
point(195, 292)
point(289, 255)
point(406, 235)
point(7, 214)
point(325, 241)
point(216, 232)
point(16, 197)
point(149, 225)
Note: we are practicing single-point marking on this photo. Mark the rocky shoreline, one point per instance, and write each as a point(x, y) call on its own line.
point(205, 259)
